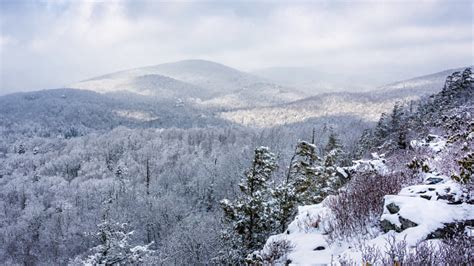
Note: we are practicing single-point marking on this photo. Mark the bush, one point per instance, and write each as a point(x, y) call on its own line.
point(456, 250)
point(358, 208)
point(275, 252)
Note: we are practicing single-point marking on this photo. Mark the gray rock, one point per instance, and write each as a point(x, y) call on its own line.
point(392, 208)
point(388, 226)
point(433, 180)
point(450, 229)
point(406, 223)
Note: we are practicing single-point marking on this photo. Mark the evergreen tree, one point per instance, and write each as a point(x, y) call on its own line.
point(382, 129)
point(294, 190)
point(396, 117)
point(333, 151)
point(249, 215)
point(330, 176)
point(333, 142)
point(467, 169)
point(365, 143)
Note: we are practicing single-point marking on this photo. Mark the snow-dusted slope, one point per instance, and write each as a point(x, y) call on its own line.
point(366, 105)
point(207, 74)
point(144, 84)
point(423, 212)
point(60, 110)
point(202, 82)
point(424, 85)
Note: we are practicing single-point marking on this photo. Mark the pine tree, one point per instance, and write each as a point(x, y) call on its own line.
point(249, 215)
point(333, 150)
point(466, 165)
point(396, 117)
point(294, 190)
point(382, 129)
point(333, 142)
point(365, 143)
point(329, 175)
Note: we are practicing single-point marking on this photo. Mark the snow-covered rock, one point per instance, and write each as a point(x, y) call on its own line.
point(306, 235)
point(450, 192)
point(418, 218)
point(376, 164)
point(433, 142)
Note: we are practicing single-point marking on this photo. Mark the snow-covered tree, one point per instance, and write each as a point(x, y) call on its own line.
point(330, 176)
point(249, 215)
point(294, 190)
point(114, 247)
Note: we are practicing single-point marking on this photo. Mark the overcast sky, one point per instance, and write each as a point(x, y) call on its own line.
point(48, 44)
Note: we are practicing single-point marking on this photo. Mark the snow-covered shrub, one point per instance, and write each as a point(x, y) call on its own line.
point(276, 251)
point(359, 206)
point(456, 250)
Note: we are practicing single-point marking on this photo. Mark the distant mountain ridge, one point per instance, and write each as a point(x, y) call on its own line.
point(201, 82)
point(366, 105)
point(427, 84)
point(201, 93)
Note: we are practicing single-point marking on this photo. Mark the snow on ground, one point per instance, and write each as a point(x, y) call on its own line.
point(427, 215)
point(377, 164)
point(137, 115)
point(306, 234)
point(433, 142)
point(415, 214)
point(441, 191)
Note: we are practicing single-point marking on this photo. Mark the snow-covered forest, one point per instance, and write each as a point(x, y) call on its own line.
point(236, 132)
point(81, 184)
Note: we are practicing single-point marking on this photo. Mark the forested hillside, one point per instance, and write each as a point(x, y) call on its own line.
point(58, 191)
point(236, 132)
point(408, 200)
point(119, 178)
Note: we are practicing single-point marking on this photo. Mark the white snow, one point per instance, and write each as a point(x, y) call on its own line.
point(433, 142)
point(429, 215)
point(376, 164)
point(137, 115)
point(429, 205)
point(306, 233)
point(433, 192)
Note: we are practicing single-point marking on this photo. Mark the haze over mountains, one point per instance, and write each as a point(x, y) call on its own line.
point(201, 82)
point(264, 98)
point(198, 93)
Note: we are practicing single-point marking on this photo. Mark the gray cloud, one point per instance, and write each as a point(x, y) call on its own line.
point(49, 44)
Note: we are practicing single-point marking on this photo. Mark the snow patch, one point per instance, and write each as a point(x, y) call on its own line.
point(433, 142)
point(137, 115)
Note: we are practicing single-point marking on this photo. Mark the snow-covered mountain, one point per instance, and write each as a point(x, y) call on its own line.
point(201, 82)
point(314, 81)
point(368, 105)
point(410, 203)
point(423, 85)
point(77, 112)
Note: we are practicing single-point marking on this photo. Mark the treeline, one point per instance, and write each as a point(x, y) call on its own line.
point(446, 112)
point(57, 195)
point(265, 207)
